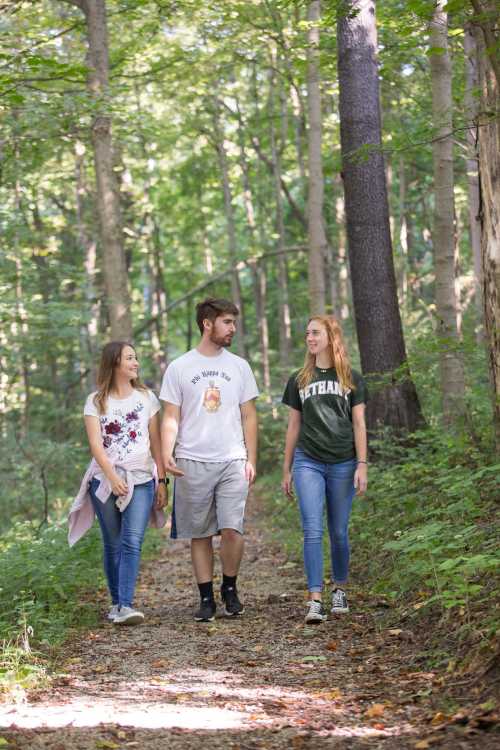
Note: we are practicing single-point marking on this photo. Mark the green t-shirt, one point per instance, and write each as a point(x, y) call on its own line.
point(326, 432)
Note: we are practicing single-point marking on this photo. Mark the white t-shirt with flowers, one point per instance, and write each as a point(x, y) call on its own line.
point(125, 427)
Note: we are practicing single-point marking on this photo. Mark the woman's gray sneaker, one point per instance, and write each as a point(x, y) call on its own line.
point(339, 602)
point(315, 611)
point(128, 616)
point(113, 612)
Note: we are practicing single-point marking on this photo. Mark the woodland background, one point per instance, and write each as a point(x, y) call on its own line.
point(296, 158)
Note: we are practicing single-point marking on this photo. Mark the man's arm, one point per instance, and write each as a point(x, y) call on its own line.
point(169, 429)
point(249, 424)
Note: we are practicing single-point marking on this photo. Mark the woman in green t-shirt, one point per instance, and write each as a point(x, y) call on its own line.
point(325, 455)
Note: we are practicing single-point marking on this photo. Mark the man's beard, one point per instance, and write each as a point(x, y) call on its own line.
point(220, 340)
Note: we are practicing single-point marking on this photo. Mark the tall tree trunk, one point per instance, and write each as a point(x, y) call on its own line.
point(472, 109)
point(231, 227)
point(258, 269)
point(443, 238)
point(285, 339)
point(489, 176)
point(108, 202)
point(155, 259)
point(344, 284)
point(316, 231)
point(89, 250)
point(394, 400)
point(403, 234)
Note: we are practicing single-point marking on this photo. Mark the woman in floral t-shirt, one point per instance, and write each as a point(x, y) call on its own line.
point(122, 422)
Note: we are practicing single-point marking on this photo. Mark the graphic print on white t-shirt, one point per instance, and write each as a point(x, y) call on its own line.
point(125, 426)
point(211, 399)
point(209, 392)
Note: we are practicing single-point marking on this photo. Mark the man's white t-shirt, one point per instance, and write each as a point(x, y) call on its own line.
point(125, 427)
point(209, 391)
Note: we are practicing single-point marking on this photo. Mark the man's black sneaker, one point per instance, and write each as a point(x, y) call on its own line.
point(339, 602)
point(206, 612)
point(315, 611)
point(232, 605)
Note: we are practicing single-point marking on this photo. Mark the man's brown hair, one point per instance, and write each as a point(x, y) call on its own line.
point(212, 308)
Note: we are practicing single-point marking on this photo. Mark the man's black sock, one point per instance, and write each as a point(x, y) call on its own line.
point(228, 582)
point(206, 590)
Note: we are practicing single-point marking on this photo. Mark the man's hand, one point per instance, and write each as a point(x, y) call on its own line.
point(250, 472)
point(361, 478)
point(172, 468)
point(287, 483)
point(161, 497)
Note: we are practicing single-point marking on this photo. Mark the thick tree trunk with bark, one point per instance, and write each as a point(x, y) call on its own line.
point(316, 231)
point(443, 236)
point(108, 202)
point(489, 176)
point(394, 400)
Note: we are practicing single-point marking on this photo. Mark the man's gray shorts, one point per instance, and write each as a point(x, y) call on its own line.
point(208, 498)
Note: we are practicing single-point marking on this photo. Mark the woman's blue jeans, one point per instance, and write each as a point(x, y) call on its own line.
point(122, 536)
point(316, 482)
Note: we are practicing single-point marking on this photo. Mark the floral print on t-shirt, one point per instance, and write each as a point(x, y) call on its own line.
point(122, 430)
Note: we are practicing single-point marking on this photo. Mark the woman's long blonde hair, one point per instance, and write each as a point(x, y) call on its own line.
point(338, 354)
point(110, 359)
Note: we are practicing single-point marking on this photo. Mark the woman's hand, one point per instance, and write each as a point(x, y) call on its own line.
point(361, 478)
point(118, 485)
point(161, 496)
point(287, 483)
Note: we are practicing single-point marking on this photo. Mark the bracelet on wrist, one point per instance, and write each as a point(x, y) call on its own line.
point(363, 462)
point(164, 480)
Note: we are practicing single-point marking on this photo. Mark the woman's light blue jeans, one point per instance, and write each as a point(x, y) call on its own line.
point(316, 482)
point(122, 536)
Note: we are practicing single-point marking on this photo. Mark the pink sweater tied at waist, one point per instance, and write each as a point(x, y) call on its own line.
point(81, 515)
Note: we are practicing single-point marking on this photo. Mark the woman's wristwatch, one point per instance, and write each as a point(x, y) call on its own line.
point(164, 480)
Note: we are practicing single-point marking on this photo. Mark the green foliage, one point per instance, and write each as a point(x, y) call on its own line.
point(45, 579)
point(435, 507)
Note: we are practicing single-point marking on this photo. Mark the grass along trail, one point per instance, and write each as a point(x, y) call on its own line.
point(264, 680)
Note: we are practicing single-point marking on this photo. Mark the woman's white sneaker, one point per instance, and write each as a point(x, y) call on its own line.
point(128, 616)
point(339, 602)
point(315, 611)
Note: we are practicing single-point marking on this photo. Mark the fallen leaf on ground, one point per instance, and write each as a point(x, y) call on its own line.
point(439, 718)
point(377, 709)
point(331, 646)
point(395, 631)
point(160, 664)
point(329, 695)
point(313, 658)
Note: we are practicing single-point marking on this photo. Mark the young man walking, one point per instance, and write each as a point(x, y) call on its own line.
point(210, 426)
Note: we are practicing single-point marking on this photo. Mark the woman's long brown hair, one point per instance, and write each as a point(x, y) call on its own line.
point(338, 354)
point(110, 359)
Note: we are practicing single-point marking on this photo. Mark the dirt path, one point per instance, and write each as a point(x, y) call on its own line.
point(263, 681)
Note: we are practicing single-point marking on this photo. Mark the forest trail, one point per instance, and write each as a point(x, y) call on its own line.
point(262, 681)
